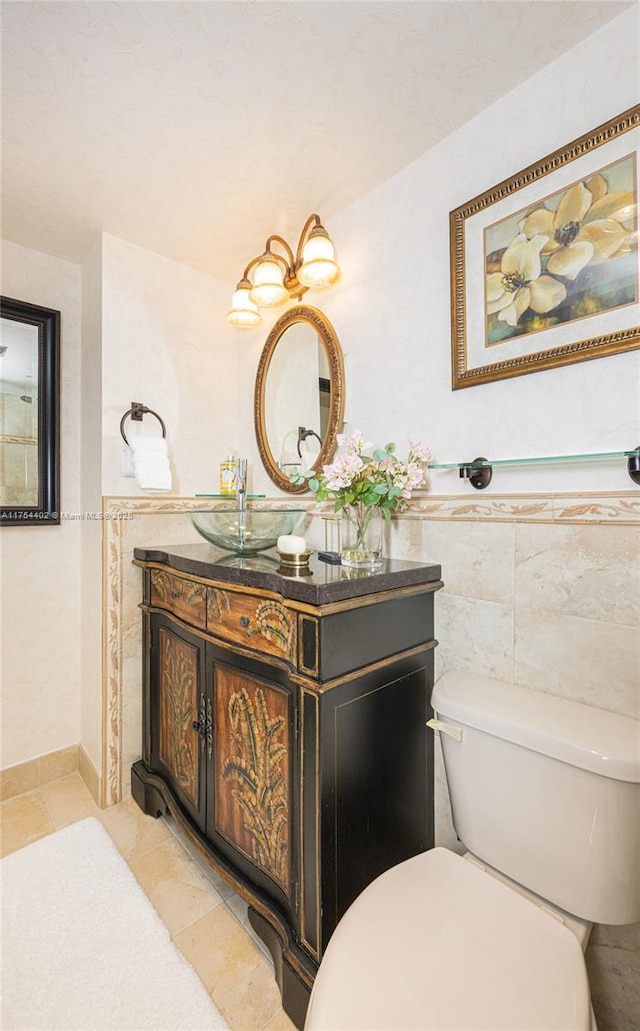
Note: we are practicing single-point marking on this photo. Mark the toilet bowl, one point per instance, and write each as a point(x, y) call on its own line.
point(438, 943)
point(545, 795)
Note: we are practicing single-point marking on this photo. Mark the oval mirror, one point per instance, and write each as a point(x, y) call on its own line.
point(299, 396)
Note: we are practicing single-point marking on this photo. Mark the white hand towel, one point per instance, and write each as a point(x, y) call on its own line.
point(126, 461)
point(149, 445)
point(151, 462)
point(154, 480)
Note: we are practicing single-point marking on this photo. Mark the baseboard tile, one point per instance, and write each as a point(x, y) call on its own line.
point(34, 773)
point(89, 775)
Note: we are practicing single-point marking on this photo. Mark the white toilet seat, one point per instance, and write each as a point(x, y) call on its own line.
point(437, 943)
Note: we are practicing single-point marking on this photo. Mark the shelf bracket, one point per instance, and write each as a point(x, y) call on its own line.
point(479, 476)
point(633, 466)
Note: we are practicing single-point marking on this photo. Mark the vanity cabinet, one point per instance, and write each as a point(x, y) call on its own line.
point(284, 729)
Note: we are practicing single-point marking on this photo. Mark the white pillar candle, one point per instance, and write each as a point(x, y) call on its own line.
point(290, 545)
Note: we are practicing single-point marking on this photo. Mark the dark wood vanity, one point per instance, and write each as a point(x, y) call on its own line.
point(284, 729)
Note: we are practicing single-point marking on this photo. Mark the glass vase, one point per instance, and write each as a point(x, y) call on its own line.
point(361, 536)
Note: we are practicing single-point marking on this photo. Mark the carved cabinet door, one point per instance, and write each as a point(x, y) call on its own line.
point(181, 715)
point(251, 774)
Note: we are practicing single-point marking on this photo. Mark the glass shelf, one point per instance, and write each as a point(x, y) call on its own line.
point(479, 470)
point(535, 461)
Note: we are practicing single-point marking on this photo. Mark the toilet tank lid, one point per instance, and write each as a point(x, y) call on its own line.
point(581, 735)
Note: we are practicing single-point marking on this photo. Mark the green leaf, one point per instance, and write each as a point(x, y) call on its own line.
point(381, 488)
point(369, 496)
point(380, 455)
point(314, 484)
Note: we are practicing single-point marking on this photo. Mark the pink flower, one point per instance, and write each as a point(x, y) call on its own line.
point(355, 442)
point(419, 452)
point(343, 470)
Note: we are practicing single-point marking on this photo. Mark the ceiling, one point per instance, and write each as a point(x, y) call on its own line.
point(196, 129)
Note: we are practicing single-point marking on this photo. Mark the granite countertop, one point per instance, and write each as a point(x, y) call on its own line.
point(324, 584)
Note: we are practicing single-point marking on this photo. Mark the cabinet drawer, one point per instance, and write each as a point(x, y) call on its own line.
point(185, 598)
point(263, 624)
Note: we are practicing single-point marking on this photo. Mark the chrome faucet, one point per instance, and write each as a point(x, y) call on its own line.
point(241, 483)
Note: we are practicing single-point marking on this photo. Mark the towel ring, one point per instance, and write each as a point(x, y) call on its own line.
point(303, 434)
point(136, 412)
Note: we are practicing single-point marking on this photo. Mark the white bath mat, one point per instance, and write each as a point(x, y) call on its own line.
point(83, 948)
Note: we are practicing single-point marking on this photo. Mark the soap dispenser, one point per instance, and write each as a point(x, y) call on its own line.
point(228, 475)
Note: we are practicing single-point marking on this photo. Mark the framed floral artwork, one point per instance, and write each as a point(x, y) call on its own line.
point(544, 266)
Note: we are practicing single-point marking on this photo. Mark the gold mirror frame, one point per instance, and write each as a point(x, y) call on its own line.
point(328, 336)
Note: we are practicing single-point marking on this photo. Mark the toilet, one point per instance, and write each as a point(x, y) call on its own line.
point(545, 798)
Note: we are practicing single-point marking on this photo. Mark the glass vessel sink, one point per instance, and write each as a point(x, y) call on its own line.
point(248, 531)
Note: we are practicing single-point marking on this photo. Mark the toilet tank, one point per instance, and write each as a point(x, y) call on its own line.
point(546, 790)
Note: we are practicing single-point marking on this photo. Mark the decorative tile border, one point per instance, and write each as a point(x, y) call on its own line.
point(111, 773)
point(625, 510)
point(614, 508)
point(619, 507)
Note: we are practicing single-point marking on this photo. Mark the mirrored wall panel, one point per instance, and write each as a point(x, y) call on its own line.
point(29, 414)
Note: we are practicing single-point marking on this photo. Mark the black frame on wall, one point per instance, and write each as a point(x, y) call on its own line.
point(47, 322)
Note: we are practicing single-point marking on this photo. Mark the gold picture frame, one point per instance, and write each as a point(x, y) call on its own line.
point(544, 270)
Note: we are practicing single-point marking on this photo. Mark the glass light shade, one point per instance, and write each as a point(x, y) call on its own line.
point(243, 312)
point(319, 267)
point(268, 287)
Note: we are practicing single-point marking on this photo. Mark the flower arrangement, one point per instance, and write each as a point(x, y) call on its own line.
point(379, 480)
point(362, 485)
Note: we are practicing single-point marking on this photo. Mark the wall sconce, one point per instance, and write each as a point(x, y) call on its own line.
point(276, 279)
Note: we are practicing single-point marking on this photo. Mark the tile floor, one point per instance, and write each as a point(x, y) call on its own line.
point(206, 919)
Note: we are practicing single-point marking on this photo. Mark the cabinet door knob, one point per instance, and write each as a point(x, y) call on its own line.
point(196, 724)
point(244, 621)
